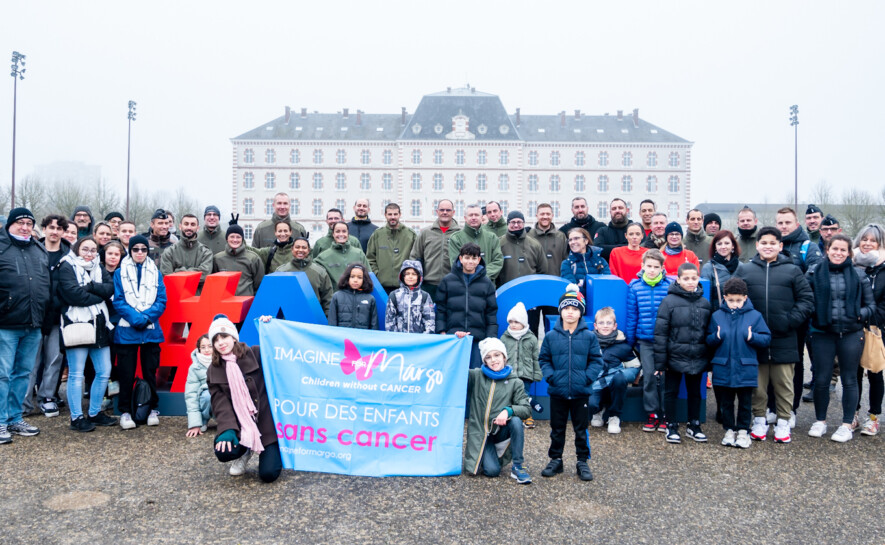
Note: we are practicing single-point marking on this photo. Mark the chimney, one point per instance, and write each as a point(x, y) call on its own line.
point(517, 117)
point(562, 119)
point(303, 113)
point(288, 114)
point(577, 115)
point(449, 90)
point(359, 118)
point(473, 90)
point(620, 115)
point(636, 117)
point(404, 116)
point(345, 113)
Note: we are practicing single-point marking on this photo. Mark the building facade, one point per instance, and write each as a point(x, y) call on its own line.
point(462, 145)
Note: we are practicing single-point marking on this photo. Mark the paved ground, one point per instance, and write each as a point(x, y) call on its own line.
point(153, 485)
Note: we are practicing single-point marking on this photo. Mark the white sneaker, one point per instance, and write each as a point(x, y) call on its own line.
point(728, 440)
point(818, 429)
point(760, 429)
point(782, 431)
point(126, 422)
point(743, 439)
point(614, 425)
point(870, 427)
point(843, 434)
point(770, 417)
point(154, 418)
point(596, 421)
point(238, 466)
point(792, 419)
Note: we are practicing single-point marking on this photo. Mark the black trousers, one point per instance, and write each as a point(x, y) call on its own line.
point(561, 409)
point(725, 397)
point(672, 380)
point(127, 359)
point(270, 464)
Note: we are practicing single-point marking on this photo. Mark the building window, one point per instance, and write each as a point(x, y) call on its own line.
point(504, 157)
point(673, 184)
point(248, 181)
point(387, 157)
point(387, 181)
point(554, 183)
point(505, 207)
point(652, 159)
point(294, 181)
point(341, 157)
point(579, 182)
point(555, 205)
point(270, 180)
point(317, 207)
point(627, 184)
point(481, 157)
point(481, 184)
point(602, 186)
point(416, 208)
point(435, 204)
point(295, 156)
point(554, 158)
point(318, 157)
point(365, 157)
point(459, 182)
point(437, 157)
point(365, 181)
point(651, 184)
point(629, 208)
point(416, 157)
point(248, 207)
point(603, 158)
point(673, 210)
point(503, 182)
point(270, 156)
point(533, 158)
point(437, 183)
point(416, 182)
point(533, 183)
point(601, 209)
point(579, 158)
point(296, 207)
point(317, 180)
point(341, 181)
point(268, 206)
point(459, 157)
point(248, 231)
point(533, 209)
point(248, 156)
point(674, 159)
point(459, 208)
point(340, 204)
point(384, 203)
point(627, 159)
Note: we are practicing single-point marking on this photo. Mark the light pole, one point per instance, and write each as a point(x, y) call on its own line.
point(17, 74)
point(794, 122)
point(131, 117)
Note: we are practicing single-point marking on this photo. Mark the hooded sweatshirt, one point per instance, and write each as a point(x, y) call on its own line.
point(410, 309)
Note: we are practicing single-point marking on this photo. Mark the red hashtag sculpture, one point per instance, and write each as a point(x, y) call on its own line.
point(185, 307)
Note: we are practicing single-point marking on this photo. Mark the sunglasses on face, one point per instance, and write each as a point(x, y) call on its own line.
point(139, 250)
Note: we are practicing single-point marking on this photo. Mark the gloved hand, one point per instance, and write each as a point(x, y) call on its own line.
point(234, 219)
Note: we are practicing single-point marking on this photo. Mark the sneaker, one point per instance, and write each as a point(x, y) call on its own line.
point(5, 436)
point(662, 426)
point(23, 428)
point(843, 434)
point(808, 397)
point(818, 429)
point(126, 421)
point(870, 426)
point(728, 440)
point(583, 471)
point(760, 429)
point(101, 419)
point(743, 439)
point(792, 419)
point(854, 423)
point(709, 381)
point(529, 423)
point(154, 418)
point(113, 388)
point(238, 466)
point(81, 424)
point(614, 425)
point(554, 467)
point(808, 385)
point(49, 408)
point(519, 473)
point(770, 417)
point(651, 424)
point(673, 434)
point(694, 431)
point(597, 421)
point(782, 431)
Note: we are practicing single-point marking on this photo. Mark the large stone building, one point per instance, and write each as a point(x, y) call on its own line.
point(459, 144)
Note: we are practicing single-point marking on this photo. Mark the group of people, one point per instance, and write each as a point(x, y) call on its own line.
point(91, 294)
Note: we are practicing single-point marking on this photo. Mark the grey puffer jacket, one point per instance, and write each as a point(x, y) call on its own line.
point(354, 309)
point(410, 310)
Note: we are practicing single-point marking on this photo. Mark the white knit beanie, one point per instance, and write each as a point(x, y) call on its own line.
point(518, 314)
point(222, 324)
point(491, 344)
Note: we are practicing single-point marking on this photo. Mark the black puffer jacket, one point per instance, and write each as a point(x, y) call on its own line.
point(356, 309)
point(681, 331)
point(589, 223)
point(467, 305)
point(362, 230)
point(793, 244)
point(53, 307)
point(781, 293)
point(24, 283)
point(610, 237)
point(876, 274)
point(840, 322)
point(72, 294)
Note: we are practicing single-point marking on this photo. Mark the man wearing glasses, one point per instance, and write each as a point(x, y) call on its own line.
point(431, 247)
point(523, 255)
point(24, 296)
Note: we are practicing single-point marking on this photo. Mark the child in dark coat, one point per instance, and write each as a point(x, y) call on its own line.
point(736, 332)
point(681, 350)
point(353, 305)
point(620, 368)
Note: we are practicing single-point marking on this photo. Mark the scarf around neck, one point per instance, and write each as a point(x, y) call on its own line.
point(86, 272)
point(823, 295)
point(673, 251)
point(653, 281)
point(244, 408)
point(139, 295)
point(497, 375)
point(607, 340)
point(730, 264)
point(517, 333)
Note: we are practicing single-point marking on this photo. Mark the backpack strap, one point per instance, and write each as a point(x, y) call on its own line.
point(803, 251)
point(269, 261)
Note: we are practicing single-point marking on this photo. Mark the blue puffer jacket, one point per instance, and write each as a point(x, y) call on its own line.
point(147, 322)
point(570, 362)
point(642, 309)
point(577, 266)
point(736, 363)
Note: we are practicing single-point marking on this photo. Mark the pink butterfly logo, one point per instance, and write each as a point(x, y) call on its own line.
point(353, 362)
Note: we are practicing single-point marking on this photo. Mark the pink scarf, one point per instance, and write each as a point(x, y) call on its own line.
point(245, 410)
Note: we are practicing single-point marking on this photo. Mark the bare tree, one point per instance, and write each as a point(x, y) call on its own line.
point(141, 207)
point(6, 199)
point(103, 199)
point(858, 209)
point(182, 204)
point(823, 196)
point(66, 196)
point(32, 194)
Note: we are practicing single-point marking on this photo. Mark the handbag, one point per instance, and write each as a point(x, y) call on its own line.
point(77, 333)
point(873, 356)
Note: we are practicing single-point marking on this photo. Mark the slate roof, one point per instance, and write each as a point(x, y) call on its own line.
point(487, 118)
point(592, 128)
point(317, 126)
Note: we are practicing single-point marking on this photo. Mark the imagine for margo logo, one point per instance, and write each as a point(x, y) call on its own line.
point(362, 366)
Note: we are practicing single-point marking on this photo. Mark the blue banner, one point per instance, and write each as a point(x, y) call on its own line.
point(371, 403)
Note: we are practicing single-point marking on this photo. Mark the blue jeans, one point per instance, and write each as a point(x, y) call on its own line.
point(101, 360)
point(491, 464)
point(614, 394)
point(205, 406)
point(18, 353)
